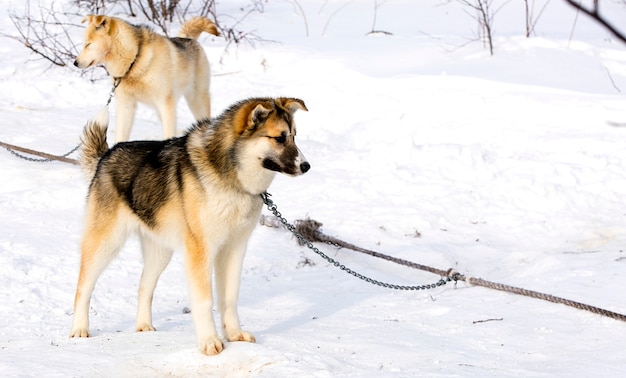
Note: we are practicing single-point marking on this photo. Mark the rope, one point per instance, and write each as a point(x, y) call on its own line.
point(542, 296)
point(46, 157)
point(310, 230)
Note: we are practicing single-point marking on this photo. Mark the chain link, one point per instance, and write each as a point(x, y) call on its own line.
point(274, 209)
point(36, 160)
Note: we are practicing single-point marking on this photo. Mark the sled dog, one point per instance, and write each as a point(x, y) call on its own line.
point(199, 193)
point(149, 68)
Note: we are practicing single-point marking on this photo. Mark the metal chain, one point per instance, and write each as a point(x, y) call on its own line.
point(36, 160)
point(450, 274)
point(274, 209)
point(116, 83)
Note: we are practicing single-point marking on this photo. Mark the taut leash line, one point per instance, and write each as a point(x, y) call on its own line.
point(307, 232)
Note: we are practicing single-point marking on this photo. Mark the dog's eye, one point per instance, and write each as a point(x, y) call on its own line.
point(87, 45)
point(280, 139)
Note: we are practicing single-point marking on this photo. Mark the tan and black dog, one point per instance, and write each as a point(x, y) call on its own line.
point(198, 193)
point(150, 68)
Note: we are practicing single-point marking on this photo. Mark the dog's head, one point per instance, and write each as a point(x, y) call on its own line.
point(97, 41)
point(268, 129)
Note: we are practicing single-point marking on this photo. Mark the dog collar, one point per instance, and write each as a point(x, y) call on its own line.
point(118, 79)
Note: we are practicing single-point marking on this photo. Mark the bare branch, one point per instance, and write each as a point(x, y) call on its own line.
point(532, 21)
point(484, 16)
point(332, 15)
point(47, 33)
point(306, 24)
point(374, 31)
point(46, 36)
point(594, 13)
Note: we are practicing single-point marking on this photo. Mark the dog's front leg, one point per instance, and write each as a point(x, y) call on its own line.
point(227, 278)
point(198, 266)
point(125, 115)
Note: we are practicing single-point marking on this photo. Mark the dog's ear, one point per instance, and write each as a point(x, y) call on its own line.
point(101, 22)
point(87, 18)
point(292, 104)
point(259, 115)
point(251, 115)
point(98, 21)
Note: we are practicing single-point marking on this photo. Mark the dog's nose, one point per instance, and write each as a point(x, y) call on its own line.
point(304, 167)
point(76, 63)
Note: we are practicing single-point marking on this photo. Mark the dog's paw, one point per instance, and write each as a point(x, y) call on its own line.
point(145, 327)
point(211, 346)
point(241, 336)
point(79, 332)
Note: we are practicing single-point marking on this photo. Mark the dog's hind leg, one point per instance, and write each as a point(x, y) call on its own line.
point(101, 243)
point(199, 103)
point(167, 115)
point(155, 259)
point(227, 279)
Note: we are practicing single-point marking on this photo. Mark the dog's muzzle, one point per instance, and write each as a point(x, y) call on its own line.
point(294, 168)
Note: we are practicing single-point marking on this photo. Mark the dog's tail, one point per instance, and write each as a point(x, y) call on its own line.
point(94, 142)
point(195, 26)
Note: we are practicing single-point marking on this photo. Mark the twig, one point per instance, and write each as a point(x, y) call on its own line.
point(612, 81)
point(332, 16)
point(488, 320)
point(306, 24)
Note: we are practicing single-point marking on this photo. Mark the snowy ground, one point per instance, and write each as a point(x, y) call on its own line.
point(510, 167)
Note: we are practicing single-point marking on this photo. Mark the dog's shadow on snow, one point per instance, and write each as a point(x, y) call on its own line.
point(318, 292)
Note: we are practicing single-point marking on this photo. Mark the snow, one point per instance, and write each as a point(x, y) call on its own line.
point(509, 167)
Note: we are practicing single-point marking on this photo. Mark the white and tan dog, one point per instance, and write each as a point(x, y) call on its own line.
point(199, 193)
point(150, 68)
